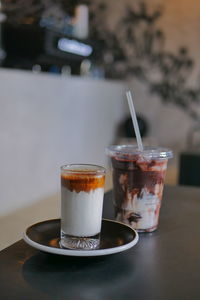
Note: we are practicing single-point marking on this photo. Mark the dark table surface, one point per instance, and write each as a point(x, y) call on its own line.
point(163, 265)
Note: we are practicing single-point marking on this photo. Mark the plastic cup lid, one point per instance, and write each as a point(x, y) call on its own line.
point(131, 151)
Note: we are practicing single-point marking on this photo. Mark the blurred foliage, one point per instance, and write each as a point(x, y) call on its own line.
point(136, 48)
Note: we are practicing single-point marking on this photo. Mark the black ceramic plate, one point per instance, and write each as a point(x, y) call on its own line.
point(115, 237)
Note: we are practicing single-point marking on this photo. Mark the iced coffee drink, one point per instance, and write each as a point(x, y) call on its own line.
point(82, 191)
point(138, 181)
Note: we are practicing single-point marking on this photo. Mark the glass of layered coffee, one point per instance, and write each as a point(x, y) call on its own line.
point(82, 192)
point(138, 182)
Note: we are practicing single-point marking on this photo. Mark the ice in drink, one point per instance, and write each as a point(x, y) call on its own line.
point(138, 182)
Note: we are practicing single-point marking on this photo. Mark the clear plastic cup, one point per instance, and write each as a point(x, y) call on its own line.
point(138, 182)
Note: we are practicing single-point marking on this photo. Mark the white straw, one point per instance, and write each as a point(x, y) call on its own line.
point(134, 119)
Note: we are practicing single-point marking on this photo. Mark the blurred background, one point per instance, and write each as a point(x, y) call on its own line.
point(64, 70)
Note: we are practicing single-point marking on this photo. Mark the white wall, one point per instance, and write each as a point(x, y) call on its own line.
point(47, 121)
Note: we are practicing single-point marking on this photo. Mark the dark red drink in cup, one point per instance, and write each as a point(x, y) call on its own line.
point(138, 182)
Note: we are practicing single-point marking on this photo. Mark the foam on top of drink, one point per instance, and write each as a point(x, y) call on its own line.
point(82, 182)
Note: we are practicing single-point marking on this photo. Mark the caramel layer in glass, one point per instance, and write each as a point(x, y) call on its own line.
point(82, 182)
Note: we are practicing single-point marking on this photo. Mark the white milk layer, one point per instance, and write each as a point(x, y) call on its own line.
point(147, 206)
point(81, 213)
